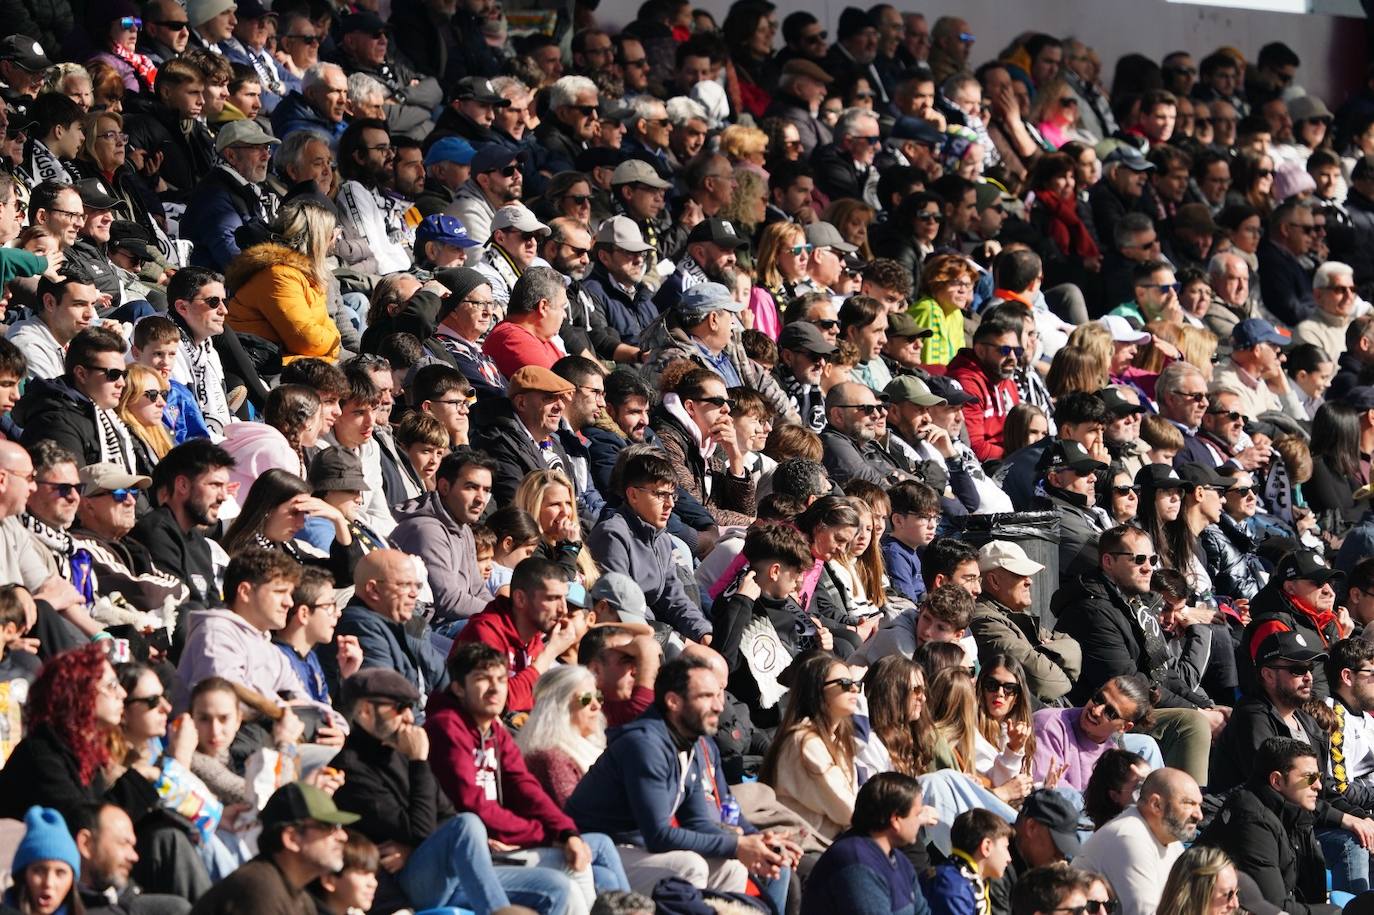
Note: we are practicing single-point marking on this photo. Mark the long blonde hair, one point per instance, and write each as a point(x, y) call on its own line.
point(530, 497)
point(156, 437)
point(1192, 881)
point(309, 228)
point(839, 212)
point(954, 708)
point(776, 236)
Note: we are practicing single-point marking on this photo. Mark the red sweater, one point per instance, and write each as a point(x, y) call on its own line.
point(522, 814)
point(985, 415)
point(495, 626)
point(623, 711)
point(514, 346)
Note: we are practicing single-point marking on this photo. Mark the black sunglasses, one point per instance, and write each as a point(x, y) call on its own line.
point(308, 39)
point(1009, 687)
point(827, 324)
point(715, 401)
point(110, 374)
point(1139, 559)
point(175, 24)
point(1102, 906)
point(63, 490)
point(1109, 711)
point(507, 172)
point(1124, 490)
point(150, 702)
point(589, 111)
point(1232, 415)
point(845, 683)
point(119, 495)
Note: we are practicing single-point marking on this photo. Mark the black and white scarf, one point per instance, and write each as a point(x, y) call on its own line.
point(43, 165)
point(55, 540)
point(209, 392)
point(116, 445)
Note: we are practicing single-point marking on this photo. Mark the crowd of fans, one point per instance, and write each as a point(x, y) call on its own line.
point(443, 468)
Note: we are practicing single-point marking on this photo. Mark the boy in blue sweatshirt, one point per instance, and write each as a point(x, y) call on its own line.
point(980, 843)
point(915, 516)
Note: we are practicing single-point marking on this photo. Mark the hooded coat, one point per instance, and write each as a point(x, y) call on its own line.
point(275, 296)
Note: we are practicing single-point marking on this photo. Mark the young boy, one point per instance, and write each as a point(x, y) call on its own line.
point(943, 616)
point(981, 851)
point(915, 516)
point(1162, 437)
point(314, 614)
point(156, 341)
point(484, 543)
point(352, 889)
point(13, 369)
point(425, 441)
point(947, 560)
point(760, 627)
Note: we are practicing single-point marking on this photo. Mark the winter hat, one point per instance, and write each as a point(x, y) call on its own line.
point(460, 281)
point(46, 839)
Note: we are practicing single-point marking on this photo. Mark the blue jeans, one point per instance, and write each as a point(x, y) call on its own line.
point(453, 868)
point(776, 890)
point(607, 871)
point(951, 793)
point(1346, 859)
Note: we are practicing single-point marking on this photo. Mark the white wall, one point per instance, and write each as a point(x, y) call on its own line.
point(1332, 48)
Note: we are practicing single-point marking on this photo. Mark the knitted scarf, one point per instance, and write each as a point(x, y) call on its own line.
point(143, 64)
point(1066, 228)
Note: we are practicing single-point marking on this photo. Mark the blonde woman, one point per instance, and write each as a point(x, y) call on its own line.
point(1076, 368)
point(549, 497)
point(954, 709)
point(278, 290)
point(744, 145)
point(748, 208)
point(851, 217)
point(1198, 345)
point(1203, 881)
point(783, 266)
point(141, 406)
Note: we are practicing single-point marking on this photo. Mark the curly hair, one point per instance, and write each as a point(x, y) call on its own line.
point(61, 699)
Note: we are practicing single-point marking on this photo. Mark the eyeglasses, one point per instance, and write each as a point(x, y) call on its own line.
point(1125, 490)
point(1139, 559)
point(110, 374)
point(1264, 173)
point(149, 702)
point(845, 683)
point(382, 148)
point(868, 409)
point(1104, 906)
point(113, 136)
point(1244, 490)
point(1306, 230)
point(1069, 102)
point(864, 95)
point(178, 25)
point(967, 37)
point(1109, 711)
point(641, 62)
point(918, 689)
point(119, 495)
point(871, 141)
point(816, 37)
point(1232, 415)
point(715, 401)
point(827, 324)
point(480, 303)
point(1309, 778)
point(585, 699)
point(799, 250)
point(461, 405)
point(69, 213)
point(931, 217)
point(507, 172)
point(662, 495)
point(1001, 687)
point(308, 39)
point(63, 490)
point(130, 22)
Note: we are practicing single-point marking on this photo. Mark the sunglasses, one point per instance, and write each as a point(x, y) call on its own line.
point(210, 301)
point(715, 401)
point(119, 495)
point(1297, 670)
point(110, 374)
point(799, 250)
point(180, 24)
point(931, 217)
point(1101, 906)
point(1232, 415)
point(1017, 351)
point(1125, 490)
point(1001, 687)
point(871, 141)
point(1310, 778)
point(585, 699)
point(827, 324)
point(507, 172)
point(1109, 711)
point(1068, 103)
point(845, 683)
point(308, 39)
point(578, 199)
point(1244, 490)
point(153, 395)
point(1139, 559)
point(816, 38)
point(1165, 288)
point(130, 22)
point(587, 111)
point(63, 490)
point(868, 409)
point(149, 702)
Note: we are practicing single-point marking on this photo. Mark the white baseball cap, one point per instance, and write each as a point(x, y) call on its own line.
point(1003, 554)
point(1122, 331)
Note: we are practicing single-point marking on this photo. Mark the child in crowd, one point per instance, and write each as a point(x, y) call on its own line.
point(425, 442)
point(515, 537)
point(981, 851)
point(155, 345)
point(18, 663)
point(1162, 437)
point(314, 614)
point(484, 544)
point(352, 889)
point(46, 867)
point(914, 518)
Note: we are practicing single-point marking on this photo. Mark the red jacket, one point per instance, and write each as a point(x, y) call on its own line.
point(495, 626)
point(522, 814)
point(512, 346)
point(985, 415)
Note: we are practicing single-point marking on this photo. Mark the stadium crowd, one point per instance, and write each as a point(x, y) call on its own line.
point(706, 467)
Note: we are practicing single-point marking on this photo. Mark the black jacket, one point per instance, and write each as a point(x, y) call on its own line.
point(1234, 568)
point(836, 174)
point(1331, 495)
point(1079, 528)
point(1285, 286)
point(453, 123)
point(1271, 840)
point(498, 431)
point(448, 50)
point(1270, 608)
point(562, 146)
point(85, 252)
point(187, 556)
point(1114, 634)
point(398, 799)
point(51, 408)
point(48, 21)
point(43, 770)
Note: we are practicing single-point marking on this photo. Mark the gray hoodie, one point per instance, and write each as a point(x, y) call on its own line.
point(428, 530)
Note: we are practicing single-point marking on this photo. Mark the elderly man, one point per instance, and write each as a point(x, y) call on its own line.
point(411, 96)
point(1333, 287)
point(1125, 172)
point(494, 181)
point(448, 165)
point(844, 168)
point(299, 42)
point(1229, 277)
point(855, 49)
point(849, 437)
point(230, 196)
point(1285, 285)
point(1069, 471)
point(1181, 393)
point(1255, 369)
point(801, 89)
point(571, 124)
point(320, 104)
point(514, 246)
point(951, 43)
point(534, 313)
point(1136, 850)
point(520, 431)
point(648, 131)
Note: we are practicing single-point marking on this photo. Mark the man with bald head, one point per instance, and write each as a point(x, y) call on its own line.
point(854, 417)
point(1229, 277)
point(1136, 850)
point(386, 584)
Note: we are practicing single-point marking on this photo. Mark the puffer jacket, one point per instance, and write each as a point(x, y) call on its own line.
point(1234, 568)
point(729, 499)
point(274, 296)
point(296, 113)
point(219, 205)
point(51, 408)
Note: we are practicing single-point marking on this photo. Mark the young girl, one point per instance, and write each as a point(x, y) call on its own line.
point(868, 559)
point(843, 573)
point(517, 537)
point(45, 867)
point(141, 407)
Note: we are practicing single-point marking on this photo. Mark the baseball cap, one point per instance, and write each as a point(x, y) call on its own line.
point(1003, 554)
point(637, 171)
point(450, 149)
point(1065, 454)
point(1360, 397)
point(704, 298)
point(1363, 169)
point(1129, 156)
point(132, 238)
point(717, 231)
point(1305, 565)
point(800, 66)
point(297, 801)
point(1158, 476)
point(623, 593)
point(804, 337)
point(622, 232)
point(24, 51)
point(253, 9)
point(910, 389)
point(1202, 475)
point(362, 21)
point(1122, 331)
point(378, 683)
point(518, 216)
point(337, 470)
point(824, 235)
point(1117, 404)
point(443, 228)
point(1253, 331)
point(537, 378)
point(949, 389)
point(94, 195)
point(1286, 646)
point(106, 477)
point(245, 132)
point(901, 324)
point(597, 157)
point(918, 129)
point(491, 157)
point(480, 89)
point(1058, 814)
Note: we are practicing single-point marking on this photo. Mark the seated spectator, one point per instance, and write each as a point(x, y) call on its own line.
point(985, 371)
point(1262, 827)
point(852, 412)
point(480, 768)
point(565, 731)
point(437, 527)
point(942, 616)
point(105, 838)
point(642, 792)
point(66, 306)
point(312, 623)
point(1299, 597)
point(865, 871)
point(981, 851)
point(519, 432)
point(1232, 564)
point(318, 105)
point(1003, 624)
point(1113, 786)
point(189, 486)
point(46, 865)
point(624, 660)
point(694, 429)
point(156, 346)
point(229, 197)
point(1070, 741)
point(1136, 850)
point(1004, 741)
point(525, 337)
point(1202, 879)
point(513, 247)
point(1050, 888)
point(197, 303)
point(354, 886)
point(1255, 371)
point(277, 506)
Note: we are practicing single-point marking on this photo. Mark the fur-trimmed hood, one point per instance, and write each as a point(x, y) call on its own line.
point(259, 257)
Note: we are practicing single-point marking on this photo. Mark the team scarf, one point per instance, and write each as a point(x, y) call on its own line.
point(143, 64)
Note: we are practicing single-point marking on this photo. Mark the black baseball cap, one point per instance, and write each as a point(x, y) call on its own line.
point(1057, 814)
point(1286, 646)
point(24, 51)
point(1158, 476)
point(949, 389)
point(131, 237)
point(719, 232)
point(94, 196)
point(1202, 475)
point(805, 337)
point(1305, 565)
point(296, 801)
point(480, 89)
point(1117, 404)
point(1065, 454)
point(361, 22)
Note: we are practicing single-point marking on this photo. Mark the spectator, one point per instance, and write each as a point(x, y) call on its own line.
point(514, 244)
point(230, 196)
point(66, 307)
point(1048, 889)
point(565, 731)
point(1072, 740)
point(105, 838)
point(1333, 288)
point(980, 851)
point(1285, 286)
point(985, 372)
point(1297, 598)
point(319, 104)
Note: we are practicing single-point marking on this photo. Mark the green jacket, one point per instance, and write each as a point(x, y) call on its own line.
point(16, 263)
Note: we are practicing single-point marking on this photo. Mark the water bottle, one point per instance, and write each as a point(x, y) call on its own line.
point(729, 811)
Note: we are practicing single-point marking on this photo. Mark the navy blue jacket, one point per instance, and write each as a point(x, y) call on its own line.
point(629, 792)
point(855, 877)
point(628, 316)
point(387, 644)
point(604, 447)
point(296, 113)
point(1285, 286)
point(218, 206)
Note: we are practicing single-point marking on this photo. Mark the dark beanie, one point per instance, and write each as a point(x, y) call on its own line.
point(460, 281)
point(852, 21)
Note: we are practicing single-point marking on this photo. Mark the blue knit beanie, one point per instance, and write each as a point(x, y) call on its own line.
point(46, 839)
